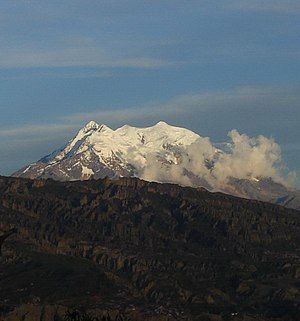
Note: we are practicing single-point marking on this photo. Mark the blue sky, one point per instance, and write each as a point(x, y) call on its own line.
point(210, 66)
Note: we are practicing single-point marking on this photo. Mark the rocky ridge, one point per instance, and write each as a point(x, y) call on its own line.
point(152, 251)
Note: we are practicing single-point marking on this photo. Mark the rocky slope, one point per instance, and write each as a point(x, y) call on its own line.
point(147, 251)
point(163, 153)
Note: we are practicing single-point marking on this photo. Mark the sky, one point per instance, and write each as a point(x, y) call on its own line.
point(210, 66)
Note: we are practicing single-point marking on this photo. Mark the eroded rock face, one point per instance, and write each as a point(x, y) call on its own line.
point(161, 250)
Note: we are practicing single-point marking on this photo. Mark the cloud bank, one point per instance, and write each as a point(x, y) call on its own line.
point(213, 166)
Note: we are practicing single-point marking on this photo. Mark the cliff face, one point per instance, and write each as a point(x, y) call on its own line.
point(153, 250)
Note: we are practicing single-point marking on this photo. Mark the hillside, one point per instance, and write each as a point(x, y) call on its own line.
point(145, 250)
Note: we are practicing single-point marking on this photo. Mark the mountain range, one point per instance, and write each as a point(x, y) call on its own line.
point(161, 153)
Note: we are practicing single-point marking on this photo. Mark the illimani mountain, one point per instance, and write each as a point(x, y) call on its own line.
point(128, 249)
point(98, 151)
point(162, 153)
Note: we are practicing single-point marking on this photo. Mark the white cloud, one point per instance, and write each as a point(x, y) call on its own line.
point(246, 97)
point(70, 57)
point(277, 6)
point(246, 158)
point(33, 130)
point(58, 74)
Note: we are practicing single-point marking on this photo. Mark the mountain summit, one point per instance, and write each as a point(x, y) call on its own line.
point(162, 153)
point(98, 151)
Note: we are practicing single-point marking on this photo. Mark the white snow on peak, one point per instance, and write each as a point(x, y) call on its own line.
point(162, 123)
point(103, 128)
point(91, 125)
point(75, 145)
point(86, 172)
point(158, 135)
point(125, 146)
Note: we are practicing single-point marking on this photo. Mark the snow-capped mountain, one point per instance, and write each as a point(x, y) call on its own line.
point(161, 152)
point(98, 151)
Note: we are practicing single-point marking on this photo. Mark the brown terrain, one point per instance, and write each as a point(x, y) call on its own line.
point(128, 249)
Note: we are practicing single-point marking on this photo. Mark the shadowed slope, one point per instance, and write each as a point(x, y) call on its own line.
point(175, 251)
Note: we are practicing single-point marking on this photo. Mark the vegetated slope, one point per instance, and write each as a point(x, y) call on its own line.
point(163, 252)
point(161, 153)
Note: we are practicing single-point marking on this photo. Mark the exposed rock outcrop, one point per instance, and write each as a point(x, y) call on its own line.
point(149, 250)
